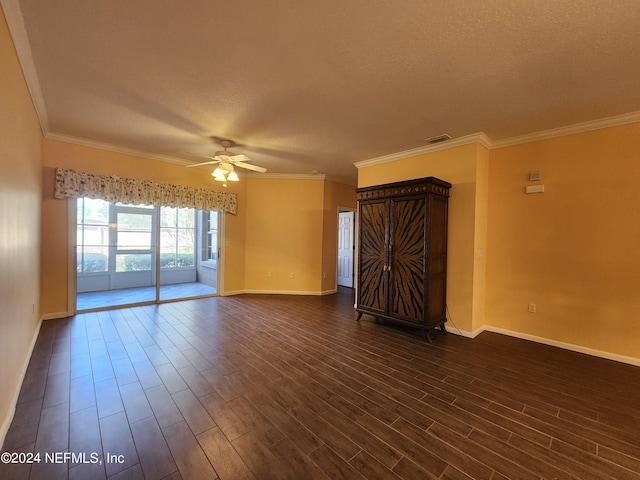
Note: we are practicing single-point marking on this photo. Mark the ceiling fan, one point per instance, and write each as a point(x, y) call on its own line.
point(227, 161)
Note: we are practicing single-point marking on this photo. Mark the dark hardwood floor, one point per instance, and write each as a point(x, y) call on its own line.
point(280, 387)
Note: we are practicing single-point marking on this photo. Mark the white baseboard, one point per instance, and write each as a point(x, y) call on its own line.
point(329, 292)
point(284, 292)
point(463, 333)
point(566, 346)
point(6, 423)
point(231, 293)
point(54, 316)
point(274, 292)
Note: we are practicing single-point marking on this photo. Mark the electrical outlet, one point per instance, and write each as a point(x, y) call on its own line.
point(269, 274)
point(532, 308)
point(292, 275)
point(324, 275)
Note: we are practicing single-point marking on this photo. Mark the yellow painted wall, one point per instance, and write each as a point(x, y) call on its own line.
point(573, 250)
point(55, 261)
point(336, 196)
point(20, 195)
point(284, 225)
point(457, 166)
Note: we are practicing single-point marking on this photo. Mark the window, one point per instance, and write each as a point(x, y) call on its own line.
point(210, 237)
point(134, 237)
point(92, 249)
point(177, 237)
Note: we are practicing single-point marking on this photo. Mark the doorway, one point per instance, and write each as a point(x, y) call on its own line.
point(346, 246)
point(136, 254)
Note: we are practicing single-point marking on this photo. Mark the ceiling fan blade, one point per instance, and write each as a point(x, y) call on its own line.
point(248, 166)
point(203, 163)
point(239, 158)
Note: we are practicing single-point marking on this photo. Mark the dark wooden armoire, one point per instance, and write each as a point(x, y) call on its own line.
point(402, 252)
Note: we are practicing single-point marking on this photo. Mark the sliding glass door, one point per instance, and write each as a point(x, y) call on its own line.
point(177, 251)
point(132, 263)
point(129, 254)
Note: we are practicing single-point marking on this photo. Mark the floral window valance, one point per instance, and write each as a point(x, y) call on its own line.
point(72, 184)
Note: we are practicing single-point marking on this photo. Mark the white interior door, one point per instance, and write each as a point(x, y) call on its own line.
point(345, 248)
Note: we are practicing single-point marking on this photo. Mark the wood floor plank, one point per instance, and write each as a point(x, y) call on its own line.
point(422, 457)
point(155, 458)
point(163, 406)
point(333, 465)
point(371, 468)
point(504, 465)
point(172, 380)
point(408, 470)
point(123, 370)
point(94, 471)
point(24, 428)
point(53, 429)
point(223, 415)
point(57, 389)
point(16, 471)
point(227, 463)
point(258, 424)
point(187, 453)
point(146, 374)
point(84, 432)
point(193, 412)
point(262, 462)
point(383, 452)
point(297, 464)
point(196, 382)
point(108, 397)
point(449, 453)
point(135, 402)
point(332, 435)
point(117, 441)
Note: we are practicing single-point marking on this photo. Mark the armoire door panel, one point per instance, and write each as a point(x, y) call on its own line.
point(407, 263)
point(373, 257)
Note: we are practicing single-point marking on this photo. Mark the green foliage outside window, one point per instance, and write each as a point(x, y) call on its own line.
point(138, 263)
point(93, 262)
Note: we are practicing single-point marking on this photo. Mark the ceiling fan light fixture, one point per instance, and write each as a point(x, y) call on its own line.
point(226, 162)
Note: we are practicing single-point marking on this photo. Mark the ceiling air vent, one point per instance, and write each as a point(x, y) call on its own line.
point(437, 139)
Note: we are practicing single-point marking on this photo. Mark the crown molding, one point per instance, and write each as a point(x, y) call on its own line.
point(15, 23)
point(583, 127)
point(480, 138)
point(288, 176)
point(485, 141)
point(114, 148)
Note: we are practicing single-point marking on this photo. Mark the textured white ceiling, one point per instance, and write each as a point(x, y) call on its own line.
point(318, 85)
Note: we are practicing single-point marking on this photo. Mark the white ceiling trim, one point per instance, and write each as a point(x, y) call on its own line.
point(570, 130)
point(114, 148)
point(484, 140)
point(15, 23)
point(480, 138)
point(288, 176)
